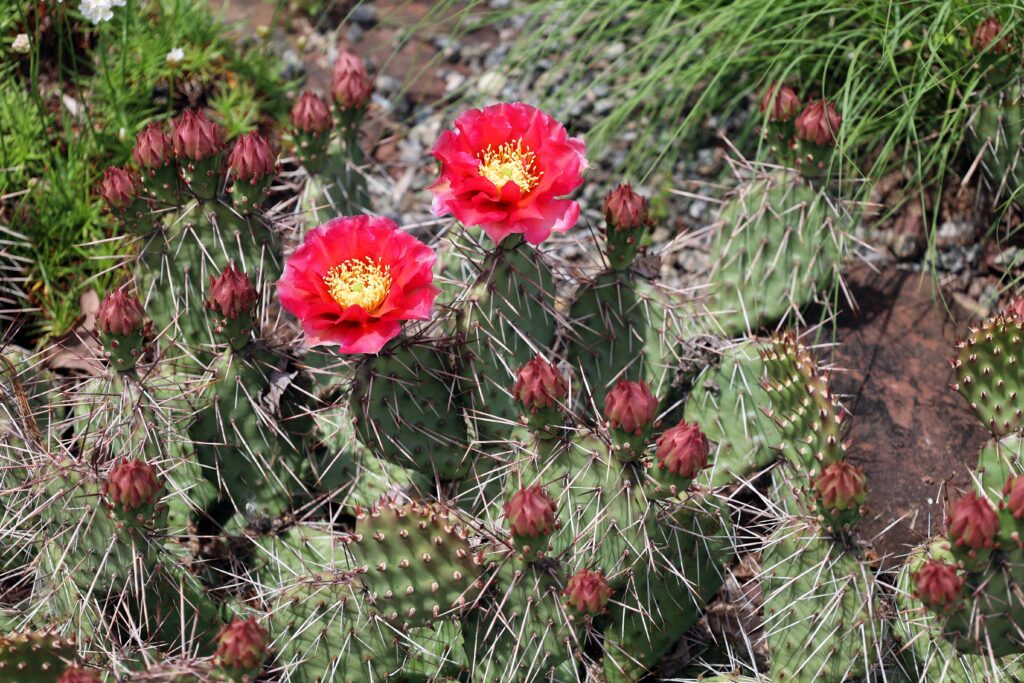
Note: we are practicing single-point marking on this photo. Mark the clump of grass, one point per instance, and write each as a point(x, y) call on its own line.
point(73, 106)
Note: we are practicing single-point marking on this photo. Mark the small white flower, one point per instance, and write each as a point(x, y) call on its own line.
point(99, 10)
point(175, 57)
point(21, 44)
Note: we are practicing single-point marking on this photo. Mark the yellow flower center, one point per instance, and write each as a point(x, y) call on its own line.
point(359, 282)
point(511, 161)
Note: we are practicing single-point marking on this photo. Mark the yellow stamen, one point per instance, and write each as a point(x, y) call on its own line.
point(511, 161)
point(356, 282)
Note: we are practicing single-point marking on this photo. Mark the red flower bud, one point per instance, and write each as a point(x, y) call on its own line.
point(1016, 307)
point(819, 123)
point(841, 486)
point(132, 484)
point(683, 450)
point(310, 114)
point(232, 294)
point(530, 512)
point(624, 209)
point(938, 584)
point(119, 187)
point(539, 384)
point(153, 147)
point(1013, 495)
point(973, 523)
point(350, 85)
point(588, 592)
point(242, 644)
point(78, 674)
point(251, 158)
point(120, 314)
point(630, 406)
point(987, 33)
point(195, 137)
point(781, 102)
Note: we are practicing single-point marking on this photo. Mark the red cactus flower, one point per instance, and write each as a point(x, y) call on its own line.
point(987, 33)
point(350, 84)
point(588, 592)
point(119, 188)
point(503, 167)
point(530, 512)
point(120, 314)
point(630, 406)
point(780, 102)
point(539, 385)
point(683, 450)
point(355, 279)
point(232, 293)
point(310, 114)
point(252, 157)
point(973, 522)
point(132, 484)
point(153, 147)
point(624, 209)
point(1013, 495)
point(819, 123)
point(242, 644)
point(78, 674)
point(195, 137)
point(938, 584)
point(841, 486)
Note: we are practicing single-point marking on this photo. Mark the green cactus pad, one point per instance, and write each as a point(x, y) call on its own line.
point(416, 563)
point(808, 415)
point(622, 329)
point(822, 614)
point(777, 249)
point(36, 657)
point(506, 318)
point(523, 634)
point(729, 404)
point(998, 128)
point(407, 409)
point(990, 372)
point(174, 270)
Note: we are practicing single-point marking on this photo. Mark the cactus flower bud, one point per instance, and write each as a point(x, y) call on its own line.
point(120, 314)
point(242, 644)
point(683, 450)
point(539, 385)
point(530, 513)
point(988, 33)
point(119, 187)
point(252, 158)
point(195, 137)
point(1013, 495)
point(588, 592)
point(819, 123)
point(350, 84)
point(1016, 307)
point(231, 294)
point(624, 209)
point(973, 523)
point(310, 114)
point(132, 484)
point(938, 584)
point(841, 486)
point(630, 407)
point(153, 147)
point(78, 674)
point(780, 102)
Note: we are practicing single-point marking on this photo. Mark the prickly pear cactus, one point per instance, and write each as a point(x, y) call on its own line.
point(777, 247)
